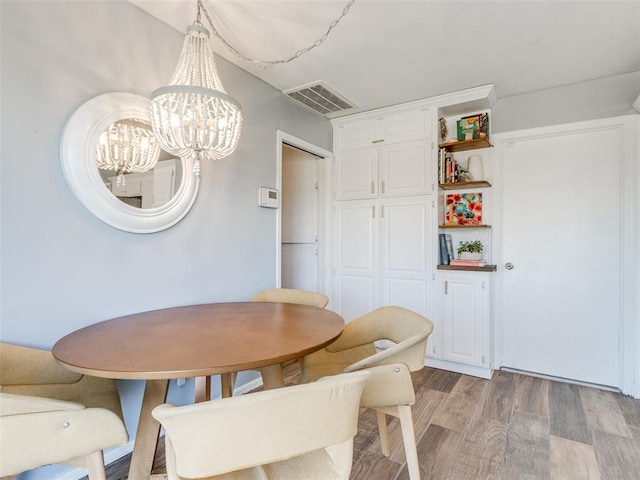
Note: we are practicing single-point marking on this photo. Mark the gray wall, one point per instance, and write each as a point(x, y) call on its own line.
point(602, 98)
point(62, 268)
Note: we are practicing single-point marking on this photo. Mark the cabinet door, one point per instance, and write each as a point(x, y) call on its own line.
point(354, 135)
point(134, 185)
point(405, 169)
point(355, 258)
point(464, 317)
point(356, 175)
point(405, 125)
point(163, 185)
point(405, 252)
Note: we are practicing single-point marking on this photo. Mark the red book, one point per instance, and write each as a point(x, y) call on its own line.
point(468, 263)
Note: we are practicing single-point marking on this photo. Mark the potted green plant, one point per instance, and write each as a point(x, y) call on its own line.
point(471, 250)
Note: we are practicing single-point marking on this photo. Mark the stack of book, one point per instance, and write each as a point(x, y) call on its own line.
point(446, 249)
point(468, 263)
point(448, 169)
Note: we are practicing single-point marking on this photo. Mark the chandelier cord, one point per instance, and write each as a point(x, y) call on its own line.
point(267, 64)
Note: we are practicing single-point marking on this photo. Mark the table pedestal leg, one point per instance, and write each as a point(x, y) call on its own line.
point(146, 443)
point(272, 377)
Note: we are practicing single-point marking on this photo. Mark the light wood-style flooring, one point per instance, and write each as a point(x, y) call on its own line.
point(512, 427)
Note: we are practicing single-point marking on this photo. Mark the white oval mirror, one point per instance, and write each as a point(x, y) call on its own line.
point(147, 199)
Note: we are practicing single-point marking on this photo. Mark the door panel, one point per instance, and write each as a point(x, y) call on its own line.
point(356, 262)
point(356, 175)
point(562, 232)
point(408, 293)
point(405, 169)
point(405, 251)
point(299, 261)
point(299, 196)
point(355, 295)
point(300, 267)
point(462, 318)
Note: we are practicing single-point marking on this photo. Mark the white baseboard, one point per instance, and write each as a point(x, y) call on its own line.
point(459, 368)
point(116, 453)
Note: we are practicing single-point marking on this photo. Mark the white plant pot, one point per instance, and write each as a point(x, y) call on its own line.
point(471, 256)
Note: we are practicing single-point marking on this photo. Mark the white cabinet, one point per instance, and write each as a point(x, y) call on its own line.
point(389, 127)
point(131, 187)
point(164, 178)
point(382, 252)
point(385, 228)
point(391, 171)
point(461, 333)
point(383, 211)
point(385, 155)
point(155, 187)
point(356, 175)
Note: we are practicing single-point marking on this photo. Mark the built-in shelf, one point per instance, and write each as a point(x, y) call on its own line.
point(463, 145)
point(462, 185)
point(486, 268)
point(463, 226)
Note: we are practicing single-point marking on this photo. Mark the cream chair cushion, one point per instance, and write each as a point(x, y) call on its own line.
point(290, 295)
point(38, 431)
point(38, 397)
point(300, 432)
point(34, 372)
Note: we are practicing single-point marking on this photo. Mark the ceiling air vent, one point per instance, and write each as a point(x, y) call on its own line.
point(319, 98)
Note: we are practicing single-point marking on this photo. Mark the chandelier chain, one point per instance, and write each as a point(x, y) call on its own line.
point(267, 64)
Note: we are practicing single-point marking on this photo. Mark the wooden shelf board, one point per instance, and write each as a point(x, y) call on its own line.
point(461, 185)
point(486, 268)
point(464, 226)
point(463, 145)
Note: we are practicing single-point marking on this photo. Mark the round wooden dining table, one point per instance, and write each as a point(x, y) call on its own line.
point(194, 341)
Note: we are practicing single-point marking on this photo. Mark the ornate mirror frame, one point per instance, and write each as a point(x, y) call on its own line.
point(78, 160)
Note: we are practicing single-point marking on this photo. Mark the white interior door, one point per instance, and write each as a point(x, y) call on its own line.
point(562, 220)
point(300, 220)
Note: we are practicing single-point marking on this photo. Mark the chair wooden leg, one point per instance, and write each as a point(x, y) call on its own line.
point(384, 435)
point(226, 385)
point(95, 466)
point(409, 438)
point(272, 377)
point(203, 389)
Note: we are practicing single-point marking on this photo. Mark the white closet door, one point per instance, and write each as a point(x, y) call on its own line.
point(300, 266)
point(562, 224)
point(300, 261)
point(299, 196)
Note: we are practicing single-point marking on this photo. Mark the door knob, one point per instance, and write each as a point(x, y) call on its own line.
point(508, 266)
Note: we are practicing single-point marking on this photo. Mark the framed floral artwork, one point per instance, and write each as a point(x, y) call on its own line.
point(464, 209)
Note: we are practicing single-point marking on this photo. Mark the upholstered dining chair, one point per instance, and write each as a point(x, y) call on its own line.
point(282, 295)
point(49, 414)
point(298, 432)
point(291, 295)
point(390, 388)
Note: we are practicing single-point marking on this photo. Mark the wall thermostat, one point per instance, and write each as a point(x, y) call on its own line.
point(268, 197)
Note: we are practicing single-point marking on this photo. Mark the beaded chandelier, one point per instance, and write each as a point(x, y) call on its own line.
point(127, 147)
point(194, 116)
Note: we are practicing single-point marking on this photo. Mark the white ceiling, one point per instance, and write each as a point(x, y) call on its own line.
point(386, 52)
